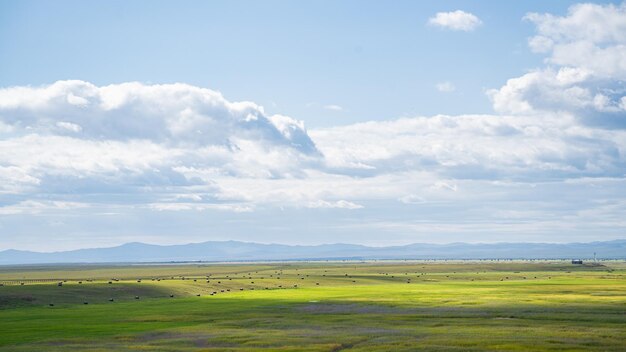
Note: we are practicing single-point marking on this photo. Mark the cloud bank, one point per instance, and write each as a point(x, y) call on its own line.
point(551, 161)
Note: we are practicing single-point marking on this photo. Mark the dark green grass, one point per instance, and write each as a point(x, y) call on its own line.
point(445, 306)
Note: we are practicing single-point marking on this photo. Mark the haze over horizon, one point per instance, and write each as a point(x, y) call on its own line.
point(311, 122)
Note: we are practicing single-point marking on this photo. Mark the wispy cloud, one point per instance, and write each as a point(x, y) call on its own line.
point(445, 87)
point(333, 107)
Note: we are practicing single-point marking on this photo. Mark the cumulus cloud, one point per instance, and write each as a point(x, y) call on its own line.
point(455, 20)
point(586, 66)
point(120, 134)
point(172, 114)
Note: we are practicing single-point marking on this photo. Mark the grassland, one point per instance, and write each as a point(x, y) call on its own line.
point(352, 306)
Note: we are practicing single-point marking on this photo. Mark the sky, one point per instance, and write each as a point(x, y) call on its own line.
point(309, 122)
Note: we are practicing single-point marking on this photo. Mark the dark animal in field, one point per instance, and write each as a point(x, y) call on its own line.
point(136, 297)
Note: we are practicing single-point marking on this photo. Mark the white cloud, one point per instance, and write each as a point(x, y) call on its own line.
point(590, 37)
point(412, 199)
point(174, 114)
point(333, 107)
point(474, 146)
point(586, 57)
point(69, 126)
point(456, 20)
point(181, 206)
point(445, 87)
point(35, 207)
point(340, 204)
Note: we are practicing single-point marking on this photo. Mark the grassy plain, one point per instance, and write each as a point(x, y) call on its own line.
point(352, 306)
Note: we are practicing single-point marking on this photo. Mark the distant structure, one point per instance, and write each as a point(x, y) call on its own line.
point(577, 261)
point(594, 257)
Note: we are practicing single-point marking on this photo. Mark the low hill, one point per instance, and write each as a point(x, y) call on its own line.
point(245, 251)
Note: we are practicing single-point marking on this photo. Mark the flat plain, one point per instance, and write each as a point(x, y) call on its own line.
point(315, 306)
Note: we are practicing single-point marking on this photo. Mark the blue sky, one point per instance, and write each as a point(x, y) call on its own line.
point(293, 58)
point(311, 122)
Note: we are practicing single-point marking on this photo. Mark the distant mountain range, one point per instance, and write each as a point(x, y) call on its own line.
point(245, 251)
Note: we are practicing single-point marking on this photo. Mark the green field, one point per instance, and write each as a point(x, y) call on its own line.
point(316, 306)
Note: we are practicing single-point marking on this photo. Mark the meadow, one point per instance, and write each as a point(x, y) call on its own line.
point(316, 306)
